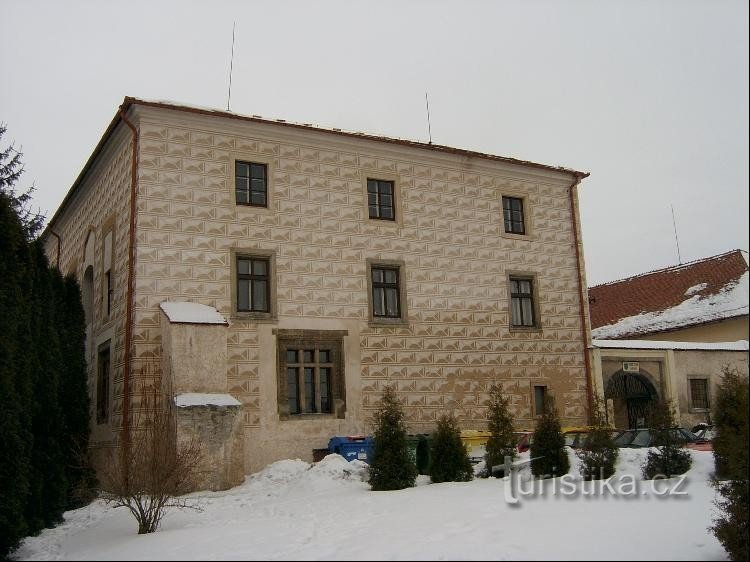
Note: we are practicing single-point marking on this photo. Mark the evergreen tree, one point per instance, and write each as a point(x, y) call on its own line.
point(549, 457)
point(15, 381)
point(599, 453)
point(448, 459)
point(392, 467)
point(731, 459)
point(670, 459)
point(502, 441)
point(74, 395)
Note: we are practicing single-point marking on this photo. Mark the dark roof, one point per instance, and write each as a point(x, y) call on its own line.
point(130, 101)
point(663, 289)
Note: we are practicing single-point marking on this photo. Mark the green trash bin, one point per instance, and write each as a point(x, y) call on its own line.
point(419, 450)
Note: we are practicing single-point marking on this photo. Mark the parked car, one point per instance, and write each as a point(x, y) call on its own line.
point(705, 434)
point(577, 438)
point(635, 438)
point(524, 440)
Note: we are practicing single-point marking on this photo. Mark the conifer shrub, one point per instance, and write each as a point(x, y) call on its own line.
point(670, 458)
point(549, 457)
point(598, 455)
point(392, 467)
point(502, 441)
point(731, 527)
point(448, 459)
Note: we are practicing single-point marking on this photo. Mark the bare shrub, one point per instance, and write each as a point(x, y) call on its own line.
point(149, 474)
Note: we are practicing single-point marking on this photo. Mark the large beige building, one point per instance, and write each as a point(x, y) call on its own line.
point(316, 267)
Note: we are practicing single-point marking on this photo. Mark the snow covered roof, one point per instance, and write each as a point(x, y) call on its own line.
point(702, 291)
point(741, 345)
point(191, 313)
point(191, 399)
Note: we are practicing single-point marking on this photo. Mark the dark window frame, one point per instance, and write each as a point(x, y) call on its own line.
point(385, 288)
point(539, 409)
point(522, 297)
point(109, 290)
point(313, 396)
point(706, 398)
point(376, 192)
point(103, 381)
point(248, 178)
point(511, 223)
point(301, 342)
point(252, 278)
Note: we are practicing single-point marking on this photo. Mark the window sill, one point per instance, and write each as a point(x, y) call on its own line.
point(526, 237)
point(389, 322)
point(698, 410)
point(307, 417)
point(259, 317)
point(530, 329)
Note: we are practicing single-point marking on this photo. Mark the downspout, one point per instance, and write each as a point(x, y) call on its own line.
point(129, 296)
point(582, 294)
point(53, 233)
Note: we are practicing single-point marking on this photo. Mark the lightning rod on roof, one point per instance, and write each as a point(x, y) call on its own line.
point(677, 240)
point(231, 64)
point(429, 128)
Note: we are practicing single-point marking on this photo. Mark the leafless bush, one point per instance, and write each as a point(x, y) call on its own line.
point(149, 474)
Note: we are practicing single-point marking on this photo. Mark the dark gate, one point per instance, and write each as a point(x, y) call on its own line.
point(638, 394)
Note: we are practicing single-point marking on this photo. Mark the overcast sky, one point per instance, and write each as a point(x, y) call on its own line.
point(651, 97)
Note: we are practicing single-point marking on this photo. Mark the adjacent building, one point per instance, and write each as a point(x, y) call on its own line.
point(274, 277)
point(668, 334)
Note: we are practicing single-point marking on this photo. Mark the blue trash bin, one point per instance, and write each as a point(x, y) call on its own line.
point(352, 447)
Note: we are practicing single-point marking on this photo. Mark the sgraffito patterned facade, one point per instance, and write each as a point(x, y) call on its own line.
point(448, 238)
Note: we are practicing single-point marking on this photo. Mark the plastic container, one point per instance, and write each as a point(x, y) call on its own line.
point(475, 442)
point(352, 447)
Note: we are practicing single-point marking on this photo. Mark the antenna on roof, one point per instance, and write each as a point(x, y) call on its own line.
point(231, 64)
point(677, 240)
point(429, 128)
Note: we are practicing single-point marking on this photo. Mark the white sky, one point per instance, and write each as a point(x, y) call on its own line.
point(651, 97)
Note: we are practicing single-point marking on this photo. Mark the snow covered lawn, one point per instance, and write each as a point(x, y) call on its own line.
point(292, 511)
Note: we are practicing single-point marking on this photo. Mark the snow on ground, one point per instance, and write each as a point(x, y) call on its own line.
point(296, 511)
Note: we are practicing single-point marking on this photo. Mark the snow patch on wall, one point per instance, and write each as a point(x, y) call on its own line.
point(191, 313)
point(189, 399)
point(695, 289)
point(740, 345)
point(731, 301)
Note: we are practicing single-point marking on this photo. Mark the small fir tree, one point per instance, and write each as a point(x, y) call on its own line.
point(548, 455)
point(448, 459)
point(599, 454)
point(502, 441)
point(732, 528)
point(392, 466)
point(669, 459)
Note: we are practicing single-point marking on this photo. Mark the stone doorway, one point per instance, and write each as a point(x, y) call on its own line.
point(632, 396)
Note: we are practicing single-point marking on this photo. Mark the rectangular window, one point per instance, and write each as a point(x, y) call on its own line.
point(251, 183)
point(385, 292)
point(513, 215)
point(380, 199)
point(108, 288)
point(699, 394)
point(103, 367)
point(312, 377)
point(540, 394)
point(253, 284)
point(522, 302)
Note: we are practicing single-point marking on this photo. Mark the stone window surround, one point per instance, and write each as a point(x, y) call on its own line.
point(270, 255)
point(692, 408)
point(253, 158)
point(398, 220)
point(527, 215)
point(373, 320)
point(537, 327)
point(286, 338)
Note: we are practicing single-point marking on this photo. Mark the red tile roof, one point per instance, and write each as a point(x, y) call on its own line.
point(663, 289)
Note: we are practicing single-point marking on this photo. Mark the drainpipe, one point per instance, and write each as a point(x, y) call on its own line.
point(582, 294)
point(53, 233)
point(130, 290)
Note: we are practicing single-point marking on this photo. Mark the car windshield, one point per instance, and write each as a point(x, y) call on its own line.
point(624, 439)
point(641, 439)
